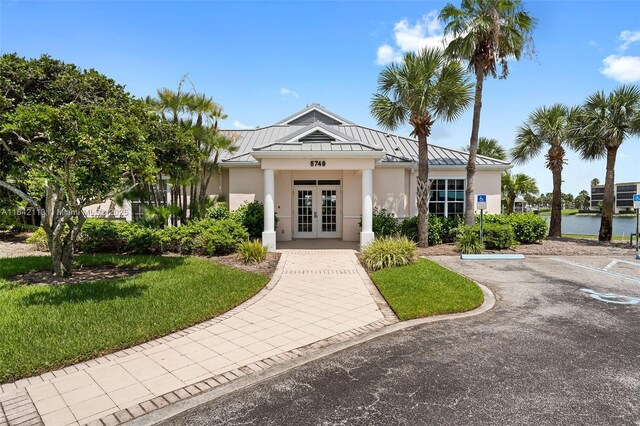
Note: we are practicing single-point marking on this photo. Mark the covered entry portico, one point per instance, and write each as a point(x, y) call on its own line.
point(322, 190)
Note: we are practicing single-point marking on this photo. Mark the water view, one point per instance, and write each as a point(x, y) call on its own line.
point(591, 225)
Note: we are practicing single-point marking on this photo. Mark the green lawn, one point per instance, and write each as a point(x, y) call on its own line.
point(565, 212)
point(426, 288)
point(45, 327)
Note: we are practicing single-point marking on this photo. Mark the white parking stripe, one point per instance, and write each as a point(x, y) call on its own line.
point(578, 265)
point(613, 262)
point(628, 262)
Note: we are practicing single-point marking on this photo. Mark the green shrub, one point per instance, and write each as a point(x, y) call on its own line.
point(441, 229)
point(389, 251)
point(497, 236)
point(220, 211)
point(251, 216)
point(110, 236)
point(384, 223)
point(222, 237)
point(252, 251)
point(468, 241)
point(206, 237)
point(144, 240)
point(105, 236)
point(39, 240)
point(527, 227)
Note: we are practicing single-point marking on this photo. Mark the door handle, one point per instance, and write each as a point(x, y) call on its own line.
point(315, 215)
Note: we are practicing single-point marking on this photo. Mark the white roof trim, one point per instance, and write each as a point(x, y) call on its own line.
point(318, 154)
point(310, 108)
point(315, 128)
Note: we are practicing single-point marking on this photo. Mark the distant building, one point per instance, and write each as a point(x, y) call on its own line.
point(623, 194)
point(520, 205)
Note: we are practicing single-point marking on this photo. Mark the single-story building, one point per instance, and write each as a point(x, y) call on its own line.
point(322, 174)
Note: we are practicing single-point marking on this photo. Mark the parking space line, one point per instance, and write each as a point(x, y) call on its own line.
point(578, 265)
point(613, 262)
point(628, 262)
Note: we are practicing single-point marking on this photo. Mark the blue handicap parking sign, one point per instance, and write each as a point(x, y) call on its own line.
point(636, 201)
point(482, 198)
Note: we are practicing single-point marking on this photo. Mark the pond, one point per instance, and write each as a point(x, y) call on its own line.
point(591, 225)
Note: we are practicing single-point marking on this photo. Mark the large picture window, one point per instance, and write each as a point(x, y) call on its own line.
point(447, 197)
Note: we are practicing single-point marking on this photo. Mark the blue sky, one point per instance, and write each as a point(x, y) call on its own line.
point(265, 60)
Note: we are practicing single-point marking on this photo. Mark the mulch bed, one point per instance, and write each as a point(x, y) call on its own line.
point(549, 247)
point(267, 267)
point(81, 275)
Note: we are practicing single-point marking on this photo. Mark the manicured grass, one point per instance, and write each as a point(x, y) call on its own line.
point(565, 212)
point(426, 288)
point(44, 327)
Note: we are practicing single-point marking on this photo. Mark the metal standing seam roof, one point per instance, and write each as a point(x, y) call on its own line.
point(399, 150)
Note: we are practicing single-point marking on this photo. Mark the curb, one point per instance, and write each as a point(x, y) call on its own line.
point(305, 355)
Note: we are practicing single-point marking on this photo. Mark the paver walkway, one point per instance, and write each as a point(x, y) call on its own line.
point(315, 296)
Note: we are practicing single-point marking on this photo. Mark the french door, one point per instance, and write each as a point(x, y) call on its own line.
point(317, 212)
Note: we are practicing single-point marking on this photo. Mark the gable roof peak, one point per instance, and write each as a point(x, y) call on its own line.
point(314, 113)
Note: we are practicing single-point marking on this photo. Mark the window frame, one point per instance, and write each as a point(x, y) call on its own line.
point(446, 200)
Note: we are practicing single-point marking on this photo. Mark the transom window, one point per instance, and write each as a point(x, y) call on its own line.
point(447, 197)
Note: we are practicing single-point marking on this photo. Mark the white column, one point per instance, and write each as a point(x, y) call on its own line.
point(269, 233)
point(367, 236)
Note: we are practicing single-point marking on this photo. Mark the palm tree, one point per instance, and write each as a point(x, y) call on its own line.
point(489, 147)
point(514, 186)
point(547, 126)
point(486, 33)
point(595, 182)
point(604, 123)
point(422, 88)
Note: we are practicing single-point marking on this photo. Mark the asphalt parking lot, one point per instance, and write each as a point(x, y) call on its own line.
point(560, 347)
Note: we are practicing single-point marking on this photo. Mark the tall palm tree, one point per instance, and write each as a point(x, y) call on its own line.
point(489, 147)
point(604, 123)
point(514, 186)
point(595, 182)
point(422, 88)
point(547, 126)
point(486, 33)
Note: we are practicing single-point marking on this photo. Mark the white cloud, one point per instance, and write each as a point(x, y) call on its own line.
point(628, 38)
point(427, 32)
point(387, 54)
point(288, 92)
point(239, 125)
point(620, 67)
point(625, 69)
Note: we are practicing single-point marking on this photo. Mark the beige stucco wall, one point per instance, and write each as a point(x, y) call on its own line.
point(394, 190)
point(389, 191)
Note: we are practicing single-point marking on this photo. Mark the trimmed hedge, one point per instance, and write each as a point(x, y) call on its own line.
point(527, 227)
point(205, 237)
point(496, 236)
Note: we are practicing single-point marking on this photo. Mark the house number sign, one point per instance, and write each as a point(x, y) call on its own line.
point(317, 163)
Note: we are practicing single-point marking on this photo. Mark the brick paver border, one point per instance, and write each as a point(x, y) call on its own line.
point(205, 385)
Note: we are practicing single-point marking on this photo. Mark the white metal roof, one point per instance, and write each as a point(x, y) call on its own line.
point(285, 137)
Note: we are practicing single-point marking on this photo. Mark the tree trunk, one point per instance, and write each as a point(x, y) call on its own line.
point(512, 205)
point(555, 225)
point(608, 200)
point(469, 209)
point(423, 191)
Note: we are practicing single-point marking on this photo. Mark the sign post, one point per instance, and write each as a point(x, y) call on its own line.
point(481, 202)
point(636, 205)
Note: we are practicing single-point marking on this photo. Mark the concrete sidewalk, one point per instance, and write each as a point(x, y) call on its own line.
point(315, 298)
